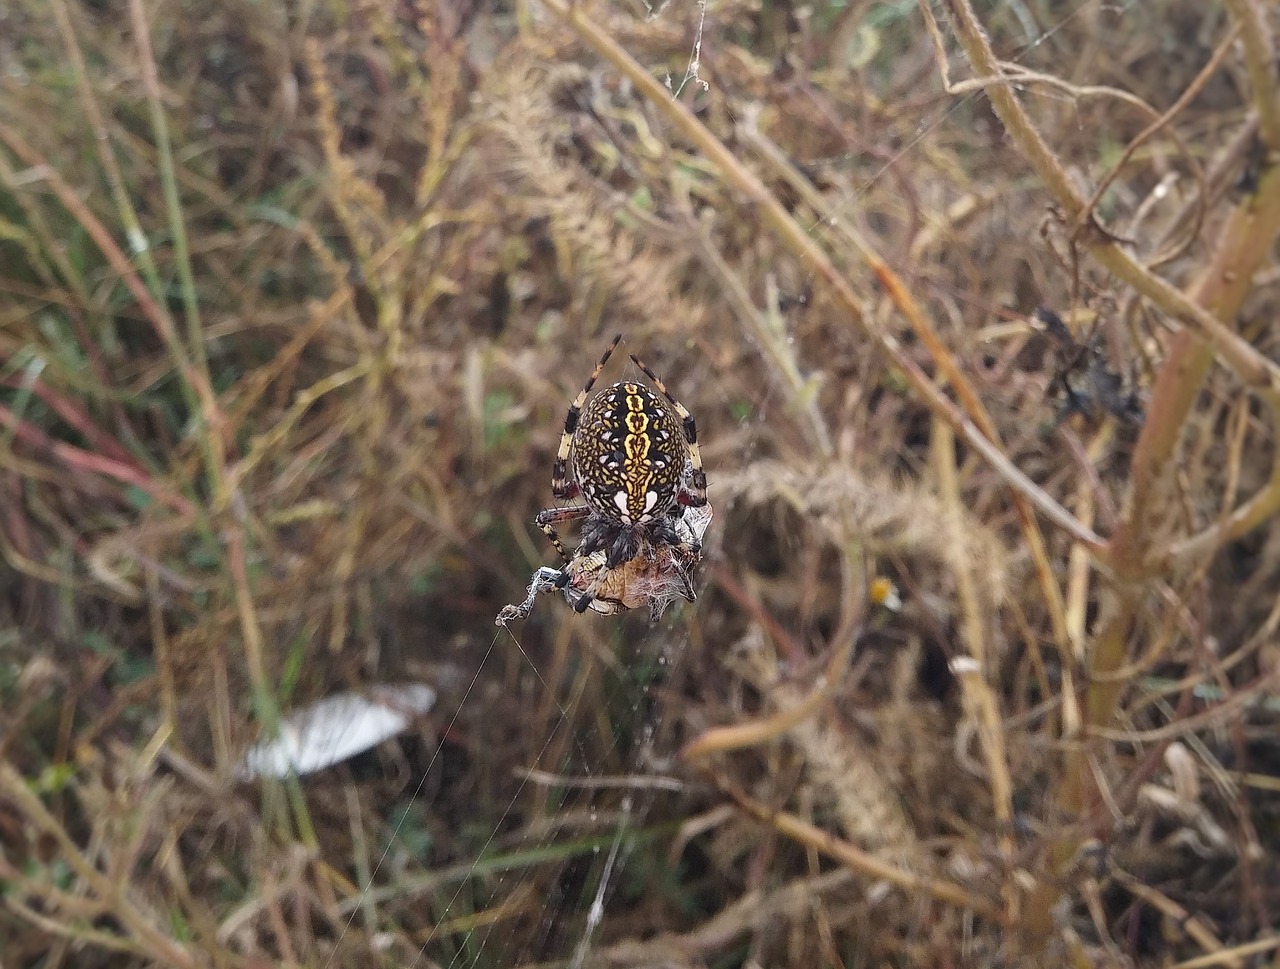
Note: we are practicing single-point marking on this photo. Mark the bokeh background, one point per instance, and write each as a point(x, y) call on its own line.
point(293, 299)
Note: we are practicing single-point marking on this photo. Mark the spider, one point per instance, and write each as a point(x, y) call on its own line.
point(655, 576)
point(634, 461)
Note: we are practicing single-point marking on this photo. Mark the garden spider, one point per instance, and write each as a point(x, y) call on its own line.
point(655, 577)
point(635, 463)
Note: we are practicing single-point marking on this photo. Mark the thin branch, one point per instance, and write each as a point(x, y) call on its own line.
point(853, 857)
point(1251, 366)
point(1162, 121)
point(1259, 61)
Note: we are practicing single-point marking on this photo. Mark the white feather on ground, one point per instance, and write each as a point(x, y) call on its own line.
point(336, 728)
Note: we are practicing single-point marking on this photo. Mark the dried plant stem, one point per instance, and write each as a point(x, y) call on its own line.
point(844, 642)
point(205, 402)
point(77, 934)
point(943, 448)
point(756, 732)
point(868, 864)
point(1259, 61)
point(264, 697)
point(262, 444)
point(169, 184)
point(111, 895)
point(163, 650)
point(1178, 915)
point(972, 670)
point(770, 333)
point(742, 917)
point(1227, 957)
point(1231, 523)
point(1251, 366)
point(976, 429)
point(1243, 244)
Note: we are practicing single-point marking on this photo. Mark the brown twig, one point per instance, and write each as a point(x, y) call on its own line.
point(1245, 239)
point(1251, 366)
point(1260, 62)
point(850, 855)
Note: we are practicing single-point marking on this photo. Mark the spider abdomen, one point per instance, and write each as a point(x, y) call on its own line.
point(629, 453)
point(632, 455)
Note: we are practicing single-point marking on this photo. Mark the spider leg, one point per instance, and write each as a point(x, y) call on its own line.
point(561, 485)
point(625, 547)
point(695, 494)
point(665, 533)
point(542, 580)
point(590, 593)
point(548, 518)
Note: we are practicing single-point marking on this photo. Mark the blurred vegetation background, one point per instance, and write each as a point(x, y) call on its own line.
point(293, 299)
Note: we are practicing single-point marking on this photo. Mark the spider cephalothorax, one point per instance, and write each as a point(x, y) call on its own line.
point(631, 454)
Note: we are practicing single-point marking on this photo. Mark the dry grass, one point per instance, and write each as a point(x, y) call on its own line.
point(292, 300)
